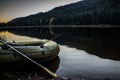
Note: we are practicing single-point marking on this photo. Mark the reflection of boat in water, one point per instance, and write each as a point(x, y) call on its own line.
point(32, 47)
point(26, 69)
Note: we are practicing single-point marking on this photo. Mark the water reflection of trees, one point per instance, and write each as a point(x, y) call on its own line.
point(106, 34)
point(103, 42)
point(107, 51)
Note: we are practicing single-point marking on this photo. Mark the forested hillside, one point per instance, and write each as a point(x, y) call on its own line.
point(86, 12)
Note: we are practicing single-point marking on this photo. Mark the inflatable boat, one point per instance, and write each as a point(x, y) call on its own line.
point(42, 50)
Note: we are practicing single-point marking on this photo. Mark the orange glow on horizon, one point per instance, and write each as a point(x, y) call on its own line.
point(9, 37)
point(4, 20)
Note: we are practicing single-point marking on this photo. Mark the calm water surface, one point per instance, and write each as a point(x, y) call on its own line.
point(76, 63)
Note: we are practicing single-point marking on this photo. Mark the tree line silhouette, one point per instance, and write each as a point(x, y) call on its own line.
point(86, 12)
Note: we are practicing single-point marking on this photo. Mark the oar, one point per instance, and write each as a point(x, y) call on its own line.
point(23, 55)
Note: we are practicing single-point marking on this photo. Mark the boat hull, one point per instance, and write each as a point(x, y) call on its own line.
point(34, 52)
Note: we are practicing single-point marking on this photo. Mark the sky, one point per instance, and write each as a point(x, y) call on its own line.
point(10, 9)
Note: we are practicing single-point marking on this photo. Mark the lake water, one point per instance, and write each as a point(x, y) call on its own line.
point(77, 63)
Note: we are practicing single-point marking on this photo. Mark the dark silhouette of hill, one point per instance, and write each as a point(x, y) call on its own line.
point(86, 12)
